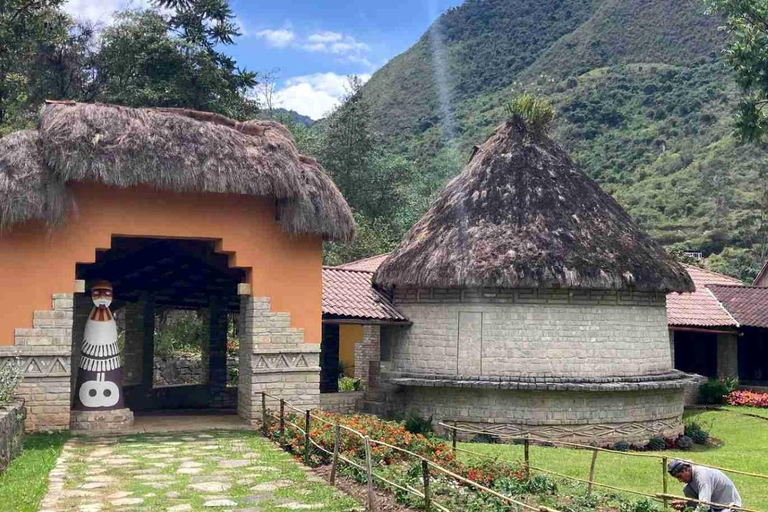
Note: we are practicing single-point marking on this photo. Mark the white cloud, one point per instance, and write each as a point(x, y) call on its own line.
point(281, 38)
point(335, 43)
point(313, 95)
point(101, 11)
point(325, 37)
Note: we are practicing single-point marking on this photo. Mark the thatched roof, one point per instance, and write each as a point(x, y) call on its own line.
point(521, 215)
point(169, 149)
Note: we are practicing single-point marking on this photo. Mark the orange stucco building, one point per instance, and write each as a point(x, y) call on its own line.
point(176, 209)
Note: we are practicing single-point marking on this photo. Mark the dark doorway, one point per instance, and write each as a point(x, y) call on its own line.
point(753, 356)
point(329, 359)
point(696, 352)
point(152, 277)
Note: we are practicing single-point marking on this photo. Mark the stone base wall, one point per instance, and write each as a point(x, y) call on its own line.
point(691, 391)
point(368, 355)
point(44, 353)
point(348, 402)
point(102, 421)
point(11, 432)
point(274, 358)
point(601, 417)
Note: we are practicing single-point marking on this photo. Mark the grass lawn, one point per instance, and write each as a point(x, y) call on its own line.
point(745, 448)
point(757, 411)
point(25, 482)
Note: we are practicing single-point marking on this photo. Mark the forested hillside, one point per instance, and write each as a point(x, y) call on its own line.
point(645, 102)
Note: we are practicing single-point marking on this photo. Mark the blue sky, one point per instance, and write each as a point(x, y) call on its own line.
point(312, 46)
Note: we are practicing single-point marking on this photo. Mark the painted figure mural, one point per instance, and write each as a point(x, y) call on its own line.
point(100, 378)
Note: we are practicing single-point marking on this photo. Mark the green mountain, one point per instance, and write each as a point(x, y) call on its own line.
point(644, 98)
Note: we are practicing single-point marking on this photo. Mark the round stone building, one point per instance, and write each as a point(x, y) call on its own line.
point(537, 304)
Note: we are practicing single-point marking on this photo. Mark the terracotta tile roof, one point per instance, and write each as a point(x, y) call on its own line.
point(762, 276)
point(350, 294)
point(370, 264)
point(700, 308)
point(747, 304)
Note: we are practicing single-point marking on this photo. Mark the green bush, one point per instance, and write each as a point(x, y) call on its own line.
point(641, 505)
point(10, 377)
point(696, 432)
point(656, 443)
point(684, 443)
point(349, 384)
point(621, 446)
point(419, 425)
point(714, 391)
point(485, 438)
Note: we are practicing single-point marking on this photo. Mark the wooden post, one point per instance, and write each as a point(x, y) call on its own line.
point(264, 424)
point(306, 437)
point(527, 449)
point(336, 442)
point(425, 474)
point(282, 420)
point(664, 480)
point(455, 431)
point(592, 471)
point(369, 471)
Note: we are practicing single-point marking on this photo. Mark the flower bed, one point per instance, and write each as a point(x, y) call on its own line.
point(747, 398)
point(507, 478)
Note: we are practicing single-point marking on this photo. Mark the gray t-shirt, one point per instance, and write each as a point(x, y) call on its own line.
point(711, 485)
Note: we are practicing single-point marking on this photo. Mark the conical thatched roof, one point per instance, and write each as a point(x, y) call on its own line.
point(169, 149)
point(521, 215)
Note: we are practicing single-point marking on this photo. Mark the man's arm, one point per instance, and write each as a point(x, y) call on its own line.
point(705, 491)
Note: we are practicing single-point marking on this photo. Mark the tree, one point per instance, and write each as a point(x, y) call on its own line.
point(141, 64)
point(24, 26)
point(747, 24)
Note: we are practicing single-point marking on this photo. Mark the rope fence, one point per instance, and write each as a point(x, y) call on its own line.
point(428, 466)
point(527, 438)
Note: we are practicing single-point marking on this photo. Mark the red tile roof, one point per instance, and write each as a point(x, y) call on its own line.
point(369, 264)
point(762, 276)
point(747, 304)
point(350, 294)
point(700, 308)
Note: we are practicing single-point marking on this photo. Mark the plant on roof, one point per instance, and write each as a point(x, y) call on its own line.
point(534, 115)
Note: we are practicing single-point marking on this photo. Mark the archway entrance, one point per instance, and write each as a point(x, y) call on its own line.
point(175, 302)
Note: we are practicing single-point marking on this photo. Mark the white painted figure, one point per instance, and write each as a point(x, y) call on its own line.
point(100, 376)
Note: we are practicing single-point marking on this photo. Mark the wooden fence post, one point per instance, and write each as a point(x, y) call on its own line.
point(264, 424)
point(306, 437)
point(592, 471)
point(425, 474)
point(369, 471)
point(455, 431)
point(282, 420)
point(336, 442)
point(664, 478)
point(527, 455)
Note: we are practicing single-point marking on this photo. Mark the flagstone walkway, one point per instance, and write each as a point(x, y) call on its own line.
point(185, 472)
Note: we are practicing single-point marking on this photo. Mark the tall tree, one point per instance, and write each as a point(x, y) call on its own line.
point(747, 24)
point(141, 63)
point(25, 25)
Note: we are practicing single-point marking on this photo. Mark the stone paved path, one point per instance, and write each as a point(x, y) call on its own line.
point(185, 472)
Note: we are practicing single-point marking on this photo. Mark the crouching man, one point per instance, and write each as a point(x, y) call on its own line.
point(704, 484)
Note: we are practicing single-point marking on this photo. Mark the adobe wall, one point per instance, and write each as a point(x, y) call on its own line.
point(38, 262)
point(528, 332)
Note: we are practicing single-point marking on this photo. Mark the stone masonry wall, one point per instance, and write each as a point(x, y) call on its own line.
point(727, 355)
point(44, 352)
point(347, 402)
point(274, 358)
point(603, 417)
point(562, 333)
point(11, 432)
point(368, 352)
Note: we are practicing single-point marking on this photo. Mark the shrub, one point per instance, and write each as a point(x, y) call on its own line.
point(621, 446)
point(714, 391)
point(535, 114)
point(684, 443)
point(641, 505)
point(747, 399)
point(696, 432)
point(541, 484)
point(10, 377)
point(656, 443)
point(419, 425)
point(485, 438)
point(349, 384)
